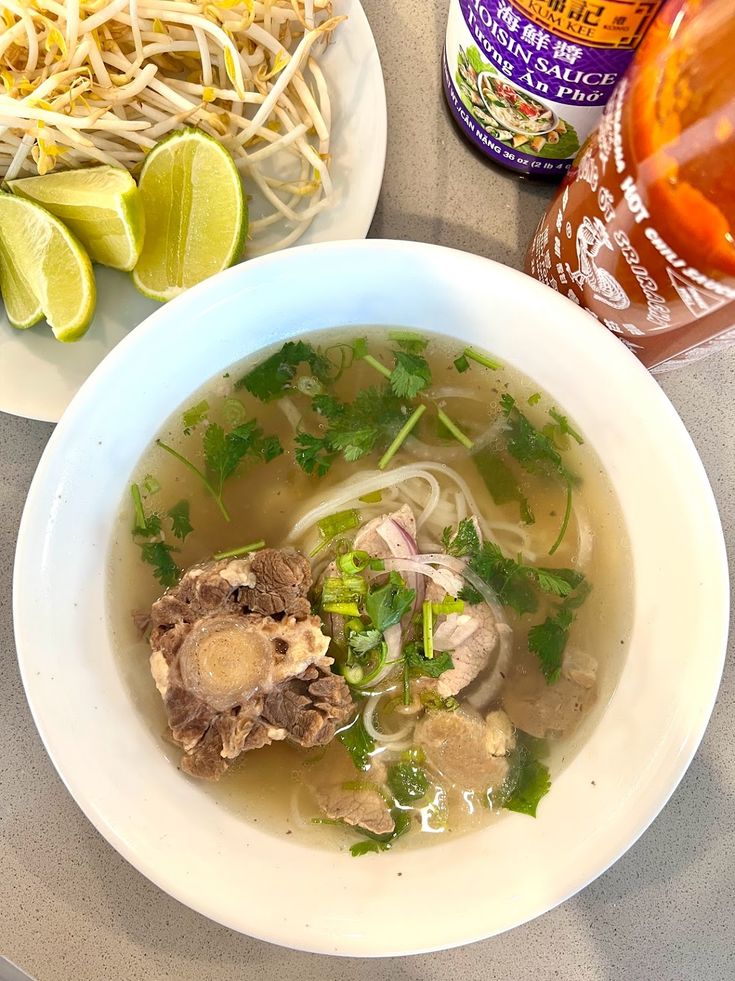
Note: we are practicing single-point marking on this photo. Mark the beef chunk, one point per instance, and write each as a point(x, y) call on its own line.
point(364, 808)
point(310, 707)
point(466, 749)
point(235, 678)
point(544, 710)
point(282, 580)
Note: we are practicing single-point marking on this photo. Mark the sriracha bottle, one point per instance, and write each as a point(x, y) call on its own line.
point(641, 231)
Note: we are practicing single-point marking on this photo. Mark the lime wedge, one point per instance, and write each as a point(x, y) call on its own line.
point(43, 270)
point(101, 206)
point(195, 214)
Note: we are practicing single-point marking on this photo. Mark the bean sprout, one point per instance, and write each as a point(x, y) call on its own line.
point(100, 81)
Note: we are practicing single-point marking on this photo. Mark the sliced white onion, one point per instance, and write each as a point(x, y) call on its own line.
point(454, 631)
point(449, 581)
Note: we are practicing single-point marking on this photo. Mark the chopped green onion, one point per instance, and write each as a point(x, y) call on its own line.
point(455, 430)
point(354, 627)
point(352, 673)
point(335, 524)
point(428, 630)
point(234, 412)
point(401, 437)
point(447, 606)
point(242, 550)
point(374, 363)
point(375, 497)
point(534, 399)
point(140, 522)
point(368, 679)
point(461, 364)
point(565, 522)
point(343, 609)
point(150, 484)
point(309, 385)
point(377, 565)
point(473, 355)
point(194, 415)
point(353, 562)
point(336, 590)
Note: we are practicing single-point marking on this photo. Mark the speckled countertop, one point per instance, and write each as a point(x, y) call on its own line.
point(72, 910)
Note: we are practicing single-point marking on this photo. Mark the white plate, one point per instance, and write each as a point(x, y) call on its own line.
point(449, 893)
point(39, 376)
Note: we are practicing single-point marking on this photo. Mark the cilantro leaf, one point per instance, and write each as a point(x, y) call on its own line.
point(313, 454)
point(358, 743)
point(363, 641)
point(411, 374)
point(558, 582)
point(432, 699)
point(407, 782)
point(506, 577)
point(531, 784)
point(548, 640)
point(534, 450)
point(409, 341)
point(223, 452)
point(271, 378)
point(386, 605)
point(564, 427)
point(355, 429)
point(501, 482)
point(180, 524)
point(466, 540)
point(158, 555)
point(365, 847)
point(430, 667)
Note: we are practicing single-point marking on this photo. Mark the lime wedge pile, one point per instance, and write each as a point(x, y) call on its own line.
point(101, 206)
point(185, 221)
point(195, 212)
point(44, 271)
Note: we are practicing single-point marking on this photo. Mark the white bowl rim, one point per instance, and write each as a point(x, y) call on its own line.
point(426, 258)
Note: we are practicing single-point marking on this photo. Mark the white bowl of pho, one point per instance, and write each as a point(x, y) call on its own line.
point(371, 613)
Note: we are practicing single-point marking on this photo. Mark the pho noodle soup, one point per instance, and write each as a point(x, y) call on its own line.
point(371, 586)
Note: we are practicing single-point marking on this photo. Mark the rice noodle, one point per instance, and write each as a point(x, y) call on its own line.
point(245, 73)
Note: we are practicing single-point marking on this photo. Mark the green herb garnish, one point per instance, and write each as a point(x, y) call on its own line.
point(418, 664)
point(548, 640)
point(382, 843)
point(411, 374)
point(180, 523)
point(409, 340)
point(358, 743)
point(194, 415)
point(501, 482)
point(401, 437)
point(387, 605)
point(272, 378)
point(355, 429)
point(470, 354)
point(454, 429)
point(531, 784)
point(333, 525)
point(407, 782)
point(155, 551)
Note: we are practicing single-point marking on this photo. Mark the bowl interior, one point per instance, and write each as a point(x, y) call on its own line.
point(286, 892)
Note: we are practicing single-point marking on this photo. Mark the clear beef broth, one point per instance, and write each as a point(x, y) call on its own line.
point(271, 785)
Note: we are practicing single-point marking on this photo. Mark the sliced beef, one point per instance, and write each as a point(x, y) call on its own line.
point(472, 638)
point(544, 710)
point(362, 808)
point(234, 678)
point(467, 750)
